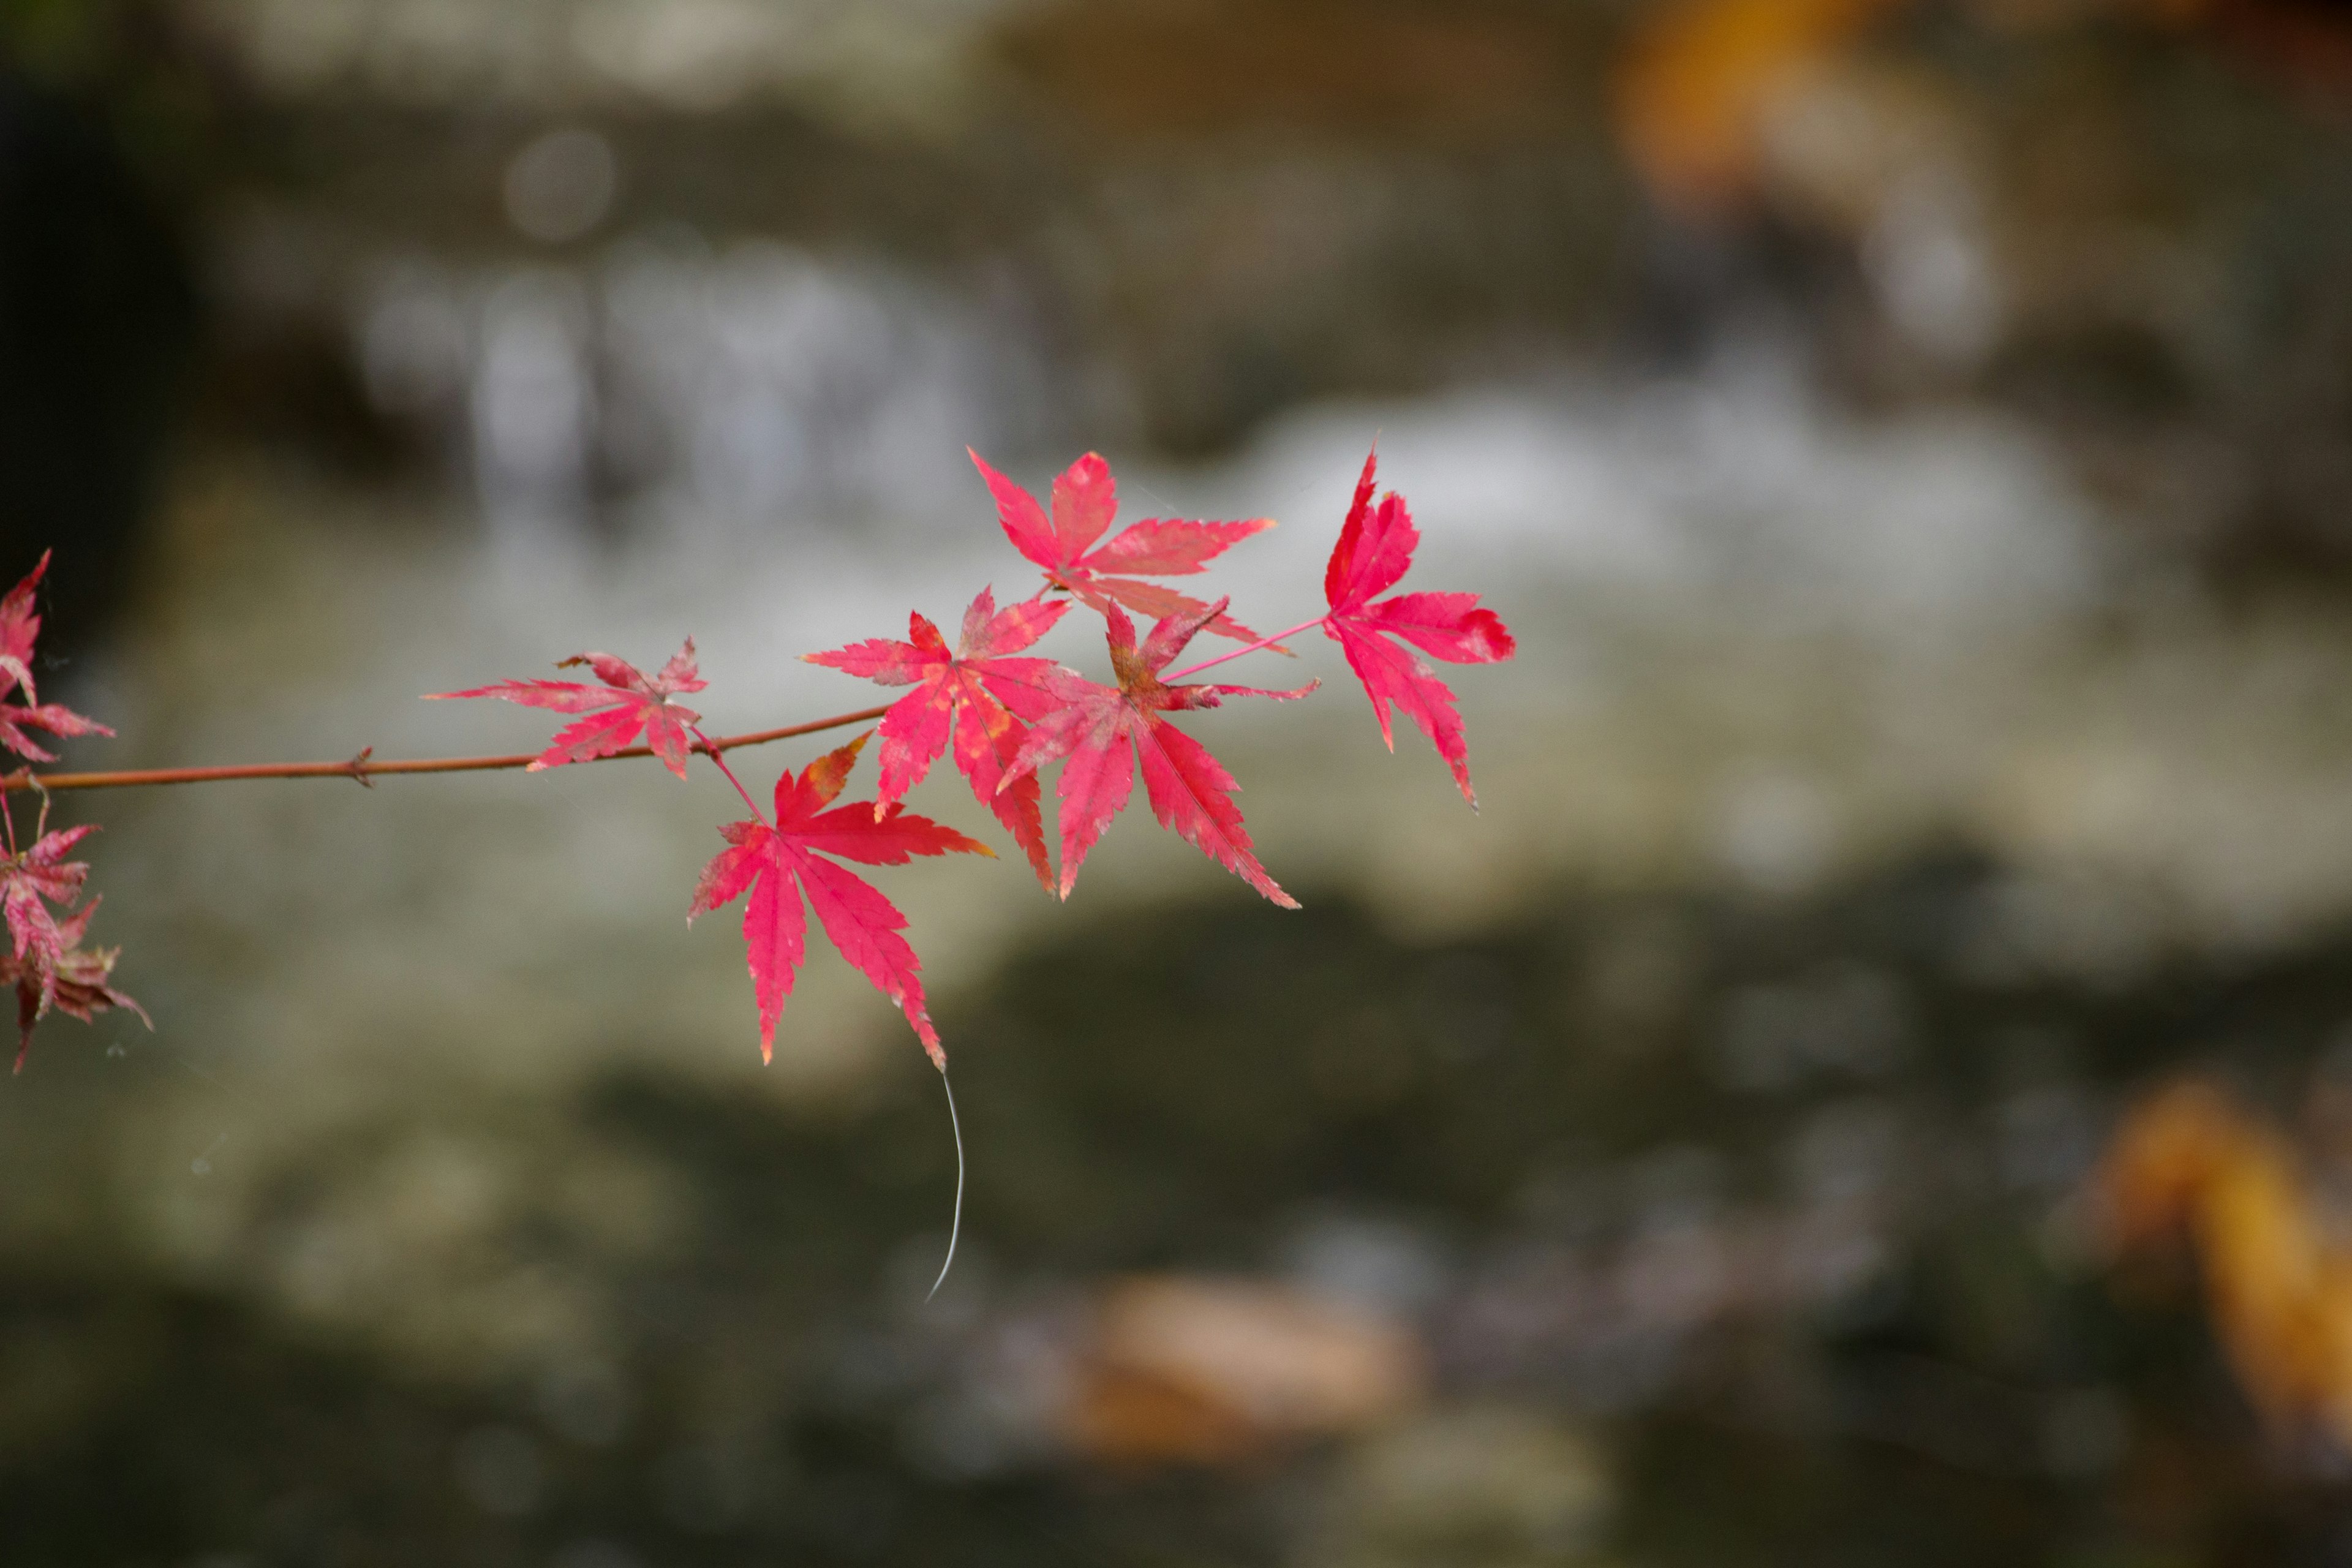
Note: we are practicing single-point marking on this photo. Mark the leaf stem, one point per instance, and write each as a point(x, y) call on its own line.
point(711, 750)
point(1252, 648)
point(363, 768)
point(955, 1226)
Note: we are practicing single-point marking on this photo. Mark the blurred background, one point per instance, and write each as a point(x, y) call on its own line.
point(1874, 1085)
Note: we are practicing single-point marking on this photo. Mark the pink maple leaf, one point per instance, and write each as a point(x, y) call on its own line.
point(41, 872)
point(76, 981)
point(629, 704)
point(20, 628)
point(1086, 501)
point(1091, 729)
point(1375, 549)
point(31, 881)
point(976, 691)
point(781, 863)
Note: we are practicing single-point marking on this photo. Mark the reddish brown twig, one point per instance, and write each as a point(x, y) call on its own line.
point(361, 768)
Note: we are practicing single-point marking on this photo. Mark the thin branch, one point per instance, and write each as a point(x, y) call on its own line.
point(363, 768)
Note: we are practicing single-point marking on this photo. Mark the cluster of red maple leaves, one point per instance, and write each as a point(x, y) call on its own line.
point(46, 960)
point(1003, 713)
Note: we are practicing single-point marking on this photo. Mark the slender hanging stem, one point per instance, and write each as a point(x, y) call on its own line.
point(712, 750)
point(363, 768)
point(1252, 648)
point(955, 1226)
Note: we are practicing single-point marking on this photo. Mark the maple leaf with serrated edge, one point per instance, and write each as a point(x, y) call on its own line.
point(1086, 501)
point(76, 981)
point(1375, 549)
point(1090, 732)
point(41, 947)
point(978, 693)
point(41, 872)
point(780, 863)
point(20, 628)
point(629, 704)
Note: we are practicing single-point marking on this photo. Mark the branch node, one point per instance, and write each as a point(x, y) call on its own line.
point(357, 767)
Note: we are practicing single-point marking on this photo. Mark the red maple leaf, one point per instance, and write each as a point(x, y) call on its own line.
point(1086, 500)
point(1375, 549)
point(978, 691)
point(44, 959)
point(1190, 791)
point(41, 872)
point(629, 703)
point(76, 981)
point(778, 864)
point(20, 628)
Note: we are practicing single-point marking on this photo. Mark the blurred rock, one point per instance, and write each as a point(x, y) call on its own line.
point(1214, 1371)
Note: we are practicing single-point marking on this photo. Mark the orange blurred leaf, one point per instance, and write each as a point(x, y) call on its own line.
point(1694, 85)
point(2188, 1164)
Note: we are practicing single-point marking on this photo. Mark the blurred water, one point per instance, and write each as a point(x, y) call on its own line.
point(705, 397)
point(1760, 640)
